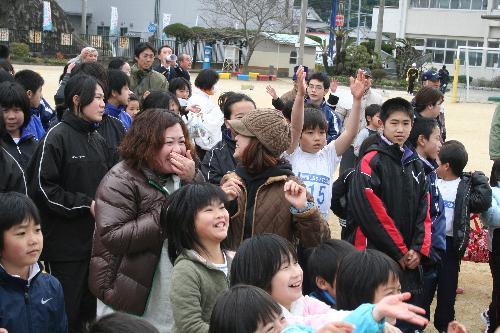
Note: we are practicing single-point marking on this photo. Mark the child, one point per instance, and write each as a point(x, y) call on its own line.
point(132, 106)
point(18, 141)
point(181, 88)
point(33, 83)
point(248, 309)
point(121, 323)
point(491, 219)
point(117, 96)
point(425, 137)
point(322, 265)
point(463, 193)
point(30, 299)
point(366, 277)
point(220, 160)
point(388, 197)
point(315, 161)
point(196, 224)
point(373, 124)
point(270, 262)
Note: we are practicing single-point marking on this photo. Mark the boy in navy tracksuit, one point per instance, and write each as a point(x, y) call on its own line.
point(388, 198)
point(30, 299)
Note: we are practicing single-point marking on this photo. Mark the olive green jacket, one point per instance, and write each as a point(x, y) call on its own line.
point(146, 80)
point(495, 135)
point(194, 288)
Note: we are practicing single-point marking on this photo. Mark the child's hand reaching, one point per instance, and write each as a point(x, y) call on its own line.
point(394, 306)
point(295, 194)
point(456, 327)
point(359, 84)
point(334, 84)
point(336, 328)
point(301, 81)
point(270, 90)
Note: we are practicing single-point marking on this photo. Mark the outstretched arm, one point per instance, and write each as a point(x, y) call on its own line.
point(298, 111)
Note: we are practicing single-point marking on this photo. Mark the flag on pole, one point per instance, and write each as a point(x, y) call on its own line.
point(166, 22)
point(47, 17)
point(113, 28)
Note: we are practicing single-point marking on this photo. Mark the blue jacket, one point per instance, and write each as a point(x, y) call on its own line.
point(333, 119)
point(35, 126)
point(491, 218)
point(36, 307)
point(436, 210)
point(120, 113)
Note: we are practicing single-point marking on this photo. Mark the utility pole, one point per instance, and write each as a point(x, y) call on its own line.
point(359, 22)
point(157, 19)
point(302, 32)
point(349, 16)
point(380, 27)
point(83, 27)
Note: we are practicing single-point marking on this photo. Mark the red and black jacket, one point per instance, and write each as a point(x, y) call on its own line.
point(388, 202)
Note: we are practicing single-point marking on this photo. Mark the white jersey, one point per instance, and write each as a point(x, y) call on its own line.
point(316, 171)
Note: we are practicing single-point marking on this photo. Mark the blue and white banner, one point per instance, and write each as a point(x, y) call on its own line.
point(113, 27)
point(47, 17)
point(165, 23)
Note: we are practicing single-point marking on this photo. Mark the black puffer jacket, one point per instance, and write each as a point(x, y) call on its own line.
point(113, 132)
point(473, 196)
point(219, 160)
point(23, 150)
point(63, 176)
point(11, 176)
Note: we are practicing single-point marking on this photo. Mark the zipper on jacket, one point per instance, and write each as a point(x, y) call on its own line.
point(28, 307)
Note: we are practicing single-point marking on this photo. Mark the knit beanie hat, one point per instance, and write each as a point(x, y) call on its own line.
point(268, 126)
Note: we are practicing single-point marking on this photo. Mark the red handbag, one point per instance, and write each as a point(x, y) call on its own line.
point(477, 249)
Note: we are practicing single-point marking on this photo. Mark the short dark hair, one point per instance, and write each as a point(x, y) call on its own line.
point(259, 258)
point(179, 83)
point(495, 173)
point(454, 153)
point(371, 111)
point(12, 94)
point(421, 126)
point(324, 259)
point(5, 64)
point(233, 99)
point(321, 77)
point(5, 76)
point(119, 322)
point(314, 118)
point(14, 209)
point(163, 46)
point(133, 97)
point(143, 46)
point(82, 85)
point(95, 70)
point(206, 79)
point(287, 110)
point(393, 105)
point(179, 216)
point(359, 274)
point(241, 309)
point(4, 51)
point(223, 98)
point(116, 81)
point(159, 100)
point(427, 96)
point(29, 79)
point(116, 63)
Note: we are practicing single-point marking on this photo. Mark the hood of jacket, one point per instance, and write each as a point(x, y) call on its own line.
point(78, 123)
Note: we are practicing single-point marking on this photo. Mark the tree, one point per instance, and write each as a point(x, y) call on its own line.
point(406, 54)
point(181, 33)
point(253, 17)
point(324, 50)
point(357, 56)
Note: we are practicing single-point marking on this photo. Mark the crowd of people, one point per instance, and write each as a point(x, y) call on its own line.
point(141, 204)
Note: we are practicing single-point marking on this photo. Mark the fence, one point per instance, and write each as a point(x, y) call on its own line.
point(49, 43)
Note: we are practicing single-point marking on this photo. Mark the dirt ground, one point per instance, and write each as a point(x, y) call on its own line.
point(468, 123)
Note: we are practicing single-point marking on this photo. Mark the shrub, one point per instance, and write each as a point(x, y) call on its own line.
point(495, 83)
point(378, 74)
point(462, 78)
point(19, 50)
point(357, 56)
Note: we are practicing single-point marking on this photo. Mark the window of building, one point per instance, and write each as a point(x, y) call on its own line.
point(293, 57)
point(493, 57)
point(443, 51)
point(123, 31)
point(450, 4)
point(103, 30)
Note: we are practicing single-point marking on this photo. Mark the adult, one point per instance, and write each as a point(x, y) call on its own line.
point(427, 103)
point(167, 60)
point(63, 176)
point(431, 79)
point(220, 159)
point(184, 63)
point(265, 195)
point(205, 121)
point(444, 79)
point(494, 139)
point(344, 110)
point(289, 96)
point(130, 269)
point(143, 79)
point(120, 64)
point(411, 77)
point(87, 54)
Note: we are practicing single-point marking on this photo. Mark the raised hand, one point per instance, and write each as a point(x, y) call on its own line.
point(334, 84)
point(232, 188)
point(270, 90)
point(183, 166)
point(295, 194)
point(359, 84)
point(395, 307)
point(301, 81)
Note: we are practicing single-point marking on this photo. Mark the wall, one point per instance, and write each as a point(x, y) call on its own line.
point(392, 19)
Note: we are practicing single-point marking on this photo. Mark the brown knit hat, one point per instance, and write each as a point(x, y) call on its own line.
point(268, 126)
